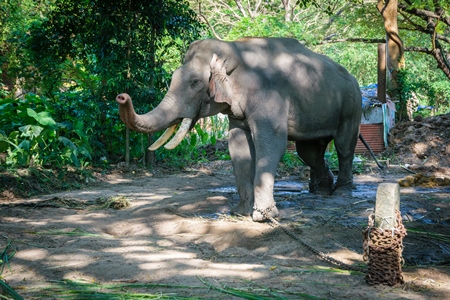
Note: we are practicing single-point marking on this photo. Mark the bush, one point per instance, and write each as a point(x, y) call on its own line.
point(31, 137)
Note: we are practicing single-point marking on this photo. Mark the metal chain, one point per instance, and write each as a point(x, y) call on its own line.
point(383, 251)
point(336, 185)
point(264, 212)
point(321, 255)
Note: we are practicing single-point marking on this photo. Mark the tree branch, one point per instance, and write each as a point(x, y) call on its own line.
point(423, 14)
point(430, 31)
point(241, 8)
point(418, 49)
point(254, 13)
point(207, 22)
point(353, 40)
point(228, 7)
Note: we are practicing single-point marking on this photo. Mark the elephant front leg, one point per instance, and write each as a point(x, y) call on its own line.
point(255, 161)
point(268, 155)
point(242, 152)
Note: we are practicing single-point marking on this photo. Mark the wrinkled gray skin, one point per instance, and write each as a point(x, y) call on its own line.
point(273, 90)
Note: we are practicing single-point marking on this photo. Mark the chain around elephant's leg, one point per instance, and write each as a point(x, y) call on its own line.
point(260, 215)
point(264, 206)
point(343, 188)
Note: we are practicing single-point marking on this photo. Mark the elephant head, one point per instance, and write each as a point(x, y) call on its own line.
point(189, 97)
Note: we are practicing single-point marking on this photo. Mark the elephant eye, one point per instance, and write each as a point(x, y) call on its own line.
point(196, 84)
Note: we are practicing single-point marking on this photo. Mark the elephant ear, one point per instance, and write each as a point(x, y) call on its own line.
point(219, 85)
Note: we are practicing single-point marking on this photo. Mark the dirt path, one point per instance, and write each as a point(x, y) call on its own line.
point(177, 232)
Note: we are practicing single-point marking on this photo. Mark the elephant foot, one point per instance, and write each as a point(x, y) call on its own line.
point(343, 189)
point(266, 214)
point(323, 185)
point(242, 209)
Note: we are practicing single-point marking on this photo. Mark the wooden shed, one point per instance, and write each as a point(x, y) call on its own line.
point(376, 121)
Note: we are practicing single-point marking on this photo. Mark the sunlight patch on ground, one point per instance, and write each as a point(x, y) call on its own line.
point(31, 254)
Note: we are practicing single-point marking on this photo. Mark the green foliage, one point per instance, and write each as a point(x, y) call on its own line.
point(291, 160)
point(31, 136)
point(81, 54)
point(114, 40)
point(415, 91)
point(5, 256)
point(405, 93)
point(440, 92)
point(192, 149)
point(359, 59)
point(270, 26)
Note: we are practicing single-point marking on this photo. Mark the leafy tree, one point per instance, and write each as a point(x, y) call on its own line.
point(429, 21)
point(115, 40)
point(15, 19)
point(81, 54)
point(348, 31)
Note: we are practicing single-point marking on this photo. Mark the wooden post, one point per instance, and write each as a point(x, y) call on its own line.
point(381, 91)
point(143, 150)
point(387, 202)
point(127, 147)
point(150, 157)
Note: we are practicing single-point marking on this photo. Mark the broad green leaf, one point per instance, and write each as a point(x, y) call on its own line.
point(68, 143)
point(6, 101)
point(213, 140)
point(83, 151)
point(25, 145)
point(75, 160)
point(204, 137)
point(31, 131)
point(44, 117)
point(193, 140)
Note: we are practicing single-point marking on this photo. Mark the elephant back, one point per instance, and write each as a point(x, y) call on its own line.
point(203, 50)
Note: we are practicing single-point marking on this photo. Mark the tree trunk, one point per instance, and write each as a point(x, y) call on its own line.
point(394, 50)
point(288, 8)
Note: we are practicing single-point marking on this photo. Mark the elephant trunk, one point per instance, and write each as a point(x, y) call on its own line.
point(147, 123)
point(155, 120)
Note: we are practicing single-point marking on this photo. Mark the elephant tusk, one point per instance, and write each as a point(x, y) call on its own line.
point(179, 136)
point(163, 138)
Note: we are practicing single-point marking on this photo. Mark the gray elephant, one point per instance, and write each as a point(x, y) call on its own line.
point(273, 90)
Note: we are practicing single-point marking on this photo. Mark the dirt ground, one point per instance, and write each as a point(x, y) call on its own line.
point(177, 240)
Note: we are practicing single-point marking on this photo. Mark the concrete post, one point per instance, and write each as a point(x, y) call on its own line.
point(387, 202)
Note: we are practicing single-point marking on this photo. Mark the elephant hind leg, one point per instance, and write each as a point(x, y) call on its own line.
point(312, 153)
point(345, 147)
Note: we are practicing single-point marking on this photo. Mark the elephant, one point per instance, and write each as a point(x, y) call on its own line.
point(274, 90)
